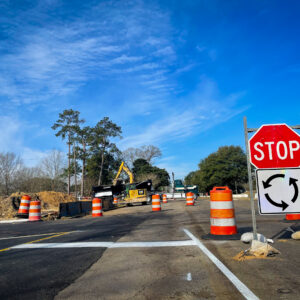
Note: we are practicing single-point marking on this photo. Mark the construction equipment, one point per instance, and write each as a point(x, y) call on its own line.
point(132, 192)
point(135, 192)
point(123, 167)
point(180, 187)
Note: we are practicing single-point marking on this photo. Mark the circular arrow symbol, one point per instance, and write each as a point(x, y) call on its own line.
point(293, 182)
point(267, 184)
point(282, 204)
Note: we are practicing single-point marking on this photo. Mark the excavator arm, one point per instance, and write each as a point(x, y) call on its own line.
point(125, 168)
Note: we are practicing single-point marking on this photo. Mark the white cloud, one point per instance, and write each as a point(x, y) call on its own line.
point(58, 56)
point(194, 114)
point(12, 140)
point(10, 134)
point(32, 157)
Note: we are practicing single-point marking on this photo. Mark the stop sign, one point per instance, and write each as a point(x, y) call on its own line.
point(275, 146)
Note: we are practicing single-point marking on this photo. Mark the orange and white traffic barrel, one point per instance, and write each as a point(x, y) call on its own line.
point(222, 215)
point(115, 200)
point(156, 203)
point(189, 199)
point(35, 210)
point(165, 198)
point(97, 207)
point(292, 217)
point(24, 206)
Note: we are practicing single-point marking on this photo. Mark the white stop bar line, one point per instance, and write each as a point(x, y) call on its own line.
point(243, 289)
point(105, 245)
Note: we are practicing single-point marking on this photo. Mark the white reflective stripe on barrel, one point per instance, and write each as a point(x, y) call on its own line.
point(97, 204)
point(190, 201)
point(221, 204)
point(35, 206)
point(155, 206)
point(23, 207)
point(34, 214)
point(25, 201)
point(222, 222)
point(97, 211)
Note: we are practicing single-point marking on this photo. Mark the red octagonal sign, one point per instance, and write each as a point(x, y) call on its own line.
point(275, 146)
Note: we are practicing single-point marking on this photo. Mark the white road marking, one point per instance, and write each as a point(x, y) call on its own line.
point(14, 221)
point(153, 244)
point(243, 289)
point(106, 245)
point(189, 277)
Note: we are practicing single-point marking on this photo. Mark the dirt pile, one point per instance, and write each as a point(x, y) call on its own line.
point(49, 201)
point(6, 208)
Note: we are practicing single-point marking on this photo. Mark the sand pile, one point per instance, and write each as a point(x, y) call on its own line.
point(257, 250)
point(49, 201)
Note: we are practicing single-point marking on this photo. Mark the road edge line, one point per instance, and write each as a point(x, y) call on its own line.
point(242, 288)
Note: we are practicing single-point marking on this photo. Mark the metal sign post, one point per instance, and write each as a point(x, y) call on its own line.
point(288, 140)
point(173, 185)
point(250, 181)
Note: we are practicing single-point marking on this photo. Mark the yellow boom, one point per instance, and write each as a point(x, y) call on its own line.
point(123, 167)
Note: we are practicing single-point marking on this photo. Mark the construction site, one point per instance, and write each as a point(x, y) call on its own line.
point(128, 241)
point(149, 150)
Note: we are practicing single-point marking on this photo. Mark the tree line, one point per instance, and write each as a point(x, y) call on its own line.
point(98, 156)
point(225, 167)
point(92, 159)
point(46, 176)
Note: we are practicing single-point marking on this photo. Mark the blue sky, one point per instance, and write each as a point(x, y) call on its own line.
point(176, 74)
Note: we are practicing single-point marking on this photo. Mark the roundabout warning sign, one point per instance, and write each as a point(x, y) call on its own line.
point(278, 190)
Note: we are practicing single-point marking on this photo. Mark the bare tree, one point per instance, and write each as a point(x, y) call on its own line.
point(10, 164)
point(28, 180)
point(52, 166)
point(149, 153)
point(129, 156)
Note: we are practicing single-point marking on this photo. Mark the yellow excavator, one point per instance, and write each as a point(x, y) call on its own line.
point(135, 192)
point(125, 168)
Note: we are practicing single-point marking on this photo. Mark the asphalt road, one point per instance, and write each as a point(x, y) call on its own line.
point(140, 272)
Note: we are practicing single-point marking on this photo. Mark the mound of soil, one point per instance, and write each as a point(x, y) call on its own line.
point(6, 208)
point(49, 201)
